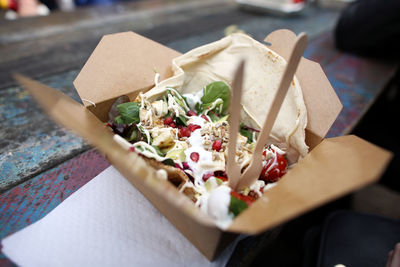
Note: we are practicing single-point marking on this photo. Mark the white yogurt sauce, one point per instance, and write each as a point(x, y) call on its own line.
point(205, 163)
point(218, 206)
point(193, 99)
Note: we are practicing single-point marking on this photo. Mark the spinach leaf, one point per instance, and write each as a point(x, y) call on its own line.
point(237, 206)
point(129, 113)
point(119, 120)
point(212, 92)
point(246, 132)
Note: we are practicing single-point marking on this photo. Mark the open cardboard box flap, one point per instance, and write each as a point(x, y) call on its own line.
point(123, 64)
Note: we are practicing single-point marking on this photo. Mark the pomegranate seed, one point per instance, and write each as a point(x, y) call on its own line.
point(205, 117)
point(172, 124)
point(132, 149)
point(207, 176)
point(194, 156)
point(167, 120)
point(220, 173)
point(185, 132)
point(217, 145)
point(191, 113)
point(193, 127)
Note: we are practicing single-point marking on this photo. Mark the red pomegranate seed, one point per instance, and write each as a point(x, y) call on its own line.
point(191, 113)
point(172, 124)
point(207, 176)
point(205, 117)
point(192, 127)
point(167, 120)
point(194, 156)
point(217, 145)
point(185, 132)
point(132, 149)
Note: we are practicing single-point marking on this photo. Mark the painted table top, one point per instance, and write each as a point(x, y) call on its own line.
point(42, 164)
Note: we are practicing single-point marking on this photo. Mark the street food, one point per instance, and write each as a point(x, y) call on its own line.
point(181, 125)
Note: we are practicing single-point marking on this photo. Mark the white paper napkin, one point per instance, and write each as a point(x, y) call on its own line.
point(107, 222)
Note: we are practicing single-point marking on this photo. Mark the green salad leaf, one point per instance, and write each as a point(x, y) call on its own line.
point(129, 113)
point(237, 206)
point(132, 133)
point(182, 120)
point(113, 112)
point(169, 162)
point(145, 135)
point(214, 91)
point(246, 132)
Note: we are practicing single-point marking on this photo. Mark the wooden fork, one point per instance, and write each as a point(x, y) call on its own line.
point(232, 167)
point(253, 171)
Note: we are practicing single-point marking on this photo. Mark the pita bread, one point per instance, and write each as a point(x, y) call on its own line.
point(217, 61)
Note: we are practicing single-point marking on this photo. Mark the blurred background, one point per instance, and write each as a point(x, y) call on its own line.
point(356, 43)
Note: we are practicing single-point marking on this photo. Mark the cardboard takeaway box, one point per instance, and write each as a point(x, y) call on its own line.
point(124, 63)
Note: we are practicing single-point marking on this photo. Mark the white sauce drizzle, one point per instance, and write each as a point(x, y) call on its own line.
point(146, 132)
point(175, 107)
point(156, 78)
point(179, 96)
point(214, 104)
point(141, 100)
point(215, 201)
point(193, 99)
point(272, 154)
point(256, 187)
point(148, 151)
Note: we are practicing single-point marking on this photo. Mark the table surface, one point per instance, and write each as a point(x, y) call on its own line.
point(42, 164)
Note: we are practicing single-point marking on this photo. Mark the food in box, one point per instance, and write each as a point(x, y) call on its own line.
point(124, 63)
point(183, 123)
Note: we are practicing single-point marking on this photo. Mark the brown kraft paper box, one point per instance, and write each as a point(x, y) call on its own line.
point(124, 63)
